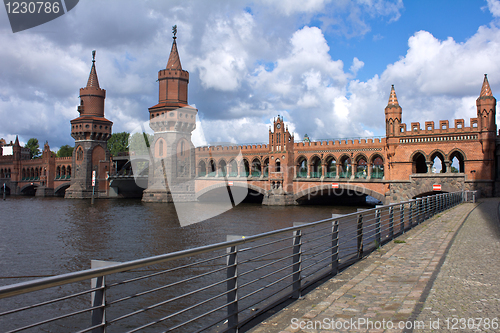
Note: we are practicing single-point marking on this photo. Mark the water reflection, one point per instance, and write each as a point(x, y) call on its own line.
point(45, 236)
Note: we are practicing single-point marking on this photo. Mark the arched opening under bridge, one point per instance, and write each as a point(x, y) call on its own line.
point(60, 190)
point(344, 195)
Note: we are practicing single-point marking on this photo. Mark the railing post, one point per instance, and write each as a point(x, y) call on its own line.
point(360, 236)
point(428, 207)
point(335, 247)
point(419, 208)
point(377, 228)
point(297, 262)
point(99, 300)
point(410, 214)
point(232, 286)
point(402, 215)
point(98, 297)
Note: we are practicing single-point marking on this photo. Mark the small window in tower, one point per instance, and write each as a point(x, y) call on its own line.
point(87, 126)
point(100, 127)
point(443, 126)
point(152, 116)
point(474, 124)
point(105, 127)
point(459, 125)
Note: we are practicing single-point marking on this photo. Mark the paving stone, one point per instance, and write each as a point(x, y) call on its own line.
point(412, 281)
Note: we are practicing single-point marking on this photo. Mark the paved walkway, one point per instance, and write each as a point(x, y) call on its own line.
point(447, 269)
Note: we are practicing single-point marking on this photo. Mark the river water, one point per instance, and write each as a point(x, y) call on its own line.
point(48, 236)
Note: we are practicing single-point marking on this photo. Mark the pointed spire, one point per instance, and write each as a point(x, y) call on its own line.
point(174, 62)
point(393, 99)
point(17, 141)
point(93, 81)
point(485, 89)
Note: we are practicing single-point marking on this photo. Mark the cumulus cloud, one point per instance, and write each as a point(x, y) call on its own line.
point(248, 62)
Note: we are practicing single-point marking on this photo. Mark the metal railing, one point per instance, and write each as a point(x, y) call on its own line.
point(219, 287)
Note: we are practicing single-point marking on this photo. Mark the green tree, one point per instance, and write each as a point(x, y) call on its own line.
point(118, 143)
point(65, 151)
point(139, 144)
point(454, 170)
point(34, 147)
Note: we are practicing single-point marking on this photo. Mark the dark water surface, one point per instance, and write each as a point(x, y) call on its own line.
point(49, 236)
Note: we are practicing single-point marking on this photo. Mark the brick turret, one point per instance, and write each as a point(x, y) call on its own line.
point(91, 132)
point(173, 167)
point(393, 115)
point(486, 108)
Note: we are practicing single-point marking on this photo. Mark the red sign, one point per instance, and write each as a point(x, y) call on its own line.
point(335, 185)
point(230, 183)
point(436, 187)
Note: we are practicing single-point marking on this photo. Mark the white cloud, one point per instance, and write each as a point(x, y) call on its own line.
point(494, 7)
point(435, 80)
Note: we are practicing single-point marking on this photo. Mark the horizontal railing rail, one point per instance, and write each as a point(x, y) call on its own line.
point(218, 287)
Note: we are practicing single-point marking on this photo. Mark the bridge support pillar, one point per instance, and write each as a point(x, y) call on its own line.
point(43, 191)
point(279, 197)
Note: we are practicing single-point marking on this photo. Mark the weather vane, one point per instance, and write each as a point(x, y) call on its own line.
point(93, 56)
point(174, 30)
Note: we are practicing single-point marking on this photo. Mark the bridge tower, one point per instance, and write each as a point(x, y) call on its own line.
point(393, 115)
point(91, 132)
point(281, 165)
point(486, 116)
point(172, 167)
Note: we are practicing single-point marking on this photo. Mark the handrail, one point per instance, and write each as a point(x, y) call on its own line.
point(304, 259)
point(58, 280)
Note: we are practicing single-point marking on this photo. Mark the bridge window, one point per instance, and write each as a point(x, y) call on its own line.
point(160, 148)
point(24, 174)
point(378, 168)
point(316, 167)
point(265, 170)
point(182, 147)
point(2, 175)
point(79, 154)
point(246, 168)
point(233, 169)
point(457, 162)
point(361, 168)
point(438, 165)
point(211, 168)
point(58, 172)
point(36, 173)
point(68, 172)
point(222, 170)
point(331, 168)
point(419, 165)
point(345, 167)
point(302, 168)
point(202, 169)
point(256, 168)
point(63, 172)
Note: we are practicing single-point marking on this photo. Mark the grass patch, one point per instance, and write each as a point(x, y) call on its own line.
point(399, 241)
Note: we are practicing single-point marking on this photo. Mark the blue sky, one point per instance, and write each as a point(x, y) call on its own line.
point(326, 66)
